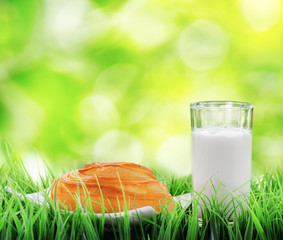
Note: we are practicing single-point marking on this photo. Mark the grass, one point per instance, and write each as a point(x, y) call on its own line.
point(263, 218)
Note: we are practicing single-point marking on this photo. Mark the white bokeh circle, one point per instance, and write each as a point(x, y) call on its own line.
point(117, 145)
point(261, 14)
point(98, 112)
point(203, 45)
point(174, 155)
point(146, 26)
point(115, 80)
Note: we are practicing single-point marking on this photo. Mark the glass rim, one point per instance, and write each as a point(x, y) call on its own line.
point(221, 105)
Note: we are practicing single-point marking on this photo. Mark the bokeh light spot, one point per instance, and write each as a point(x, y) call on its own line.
point(264, 83)
point(261, 14)
point(145, 27)
point(174, 155)
point(153, 137)
point(34, 165)
point(271, 149)
point(27, 115)
point(115, 80)
point(98, 112)
point(117, 145)
point(70, 24)
point(203, 45)
point(138, 111)
point(63, 19)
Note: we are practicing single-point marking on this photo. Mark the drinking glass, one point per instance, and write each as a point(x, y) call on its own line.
point(221, 152)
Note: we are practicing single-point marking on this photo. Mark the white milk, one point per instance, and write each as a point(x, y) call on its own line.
point(222, 158)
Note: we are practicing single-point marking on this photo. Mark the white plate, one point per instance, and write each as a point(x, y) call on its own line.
point(144, 213)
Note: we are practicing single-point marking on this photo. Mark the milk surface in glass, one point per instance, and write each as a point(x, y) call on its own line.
point(222, 158)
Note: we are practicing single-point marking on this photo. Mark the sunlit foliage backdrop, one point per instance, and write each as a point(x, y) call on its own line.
point(85, 80)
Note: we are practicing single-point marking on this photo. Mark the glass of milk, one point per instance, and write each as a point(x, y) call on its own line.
point(221, 153)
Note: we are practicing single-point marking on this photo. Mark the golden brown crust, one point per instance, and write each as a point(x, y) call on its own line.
point(109, 184)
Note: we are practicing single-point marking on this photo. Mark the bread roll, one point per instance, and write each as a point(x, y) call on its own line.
point(108, 185)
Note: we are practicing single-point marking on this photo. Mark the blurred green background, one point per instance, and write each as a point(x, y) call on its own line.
point(84, 81)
